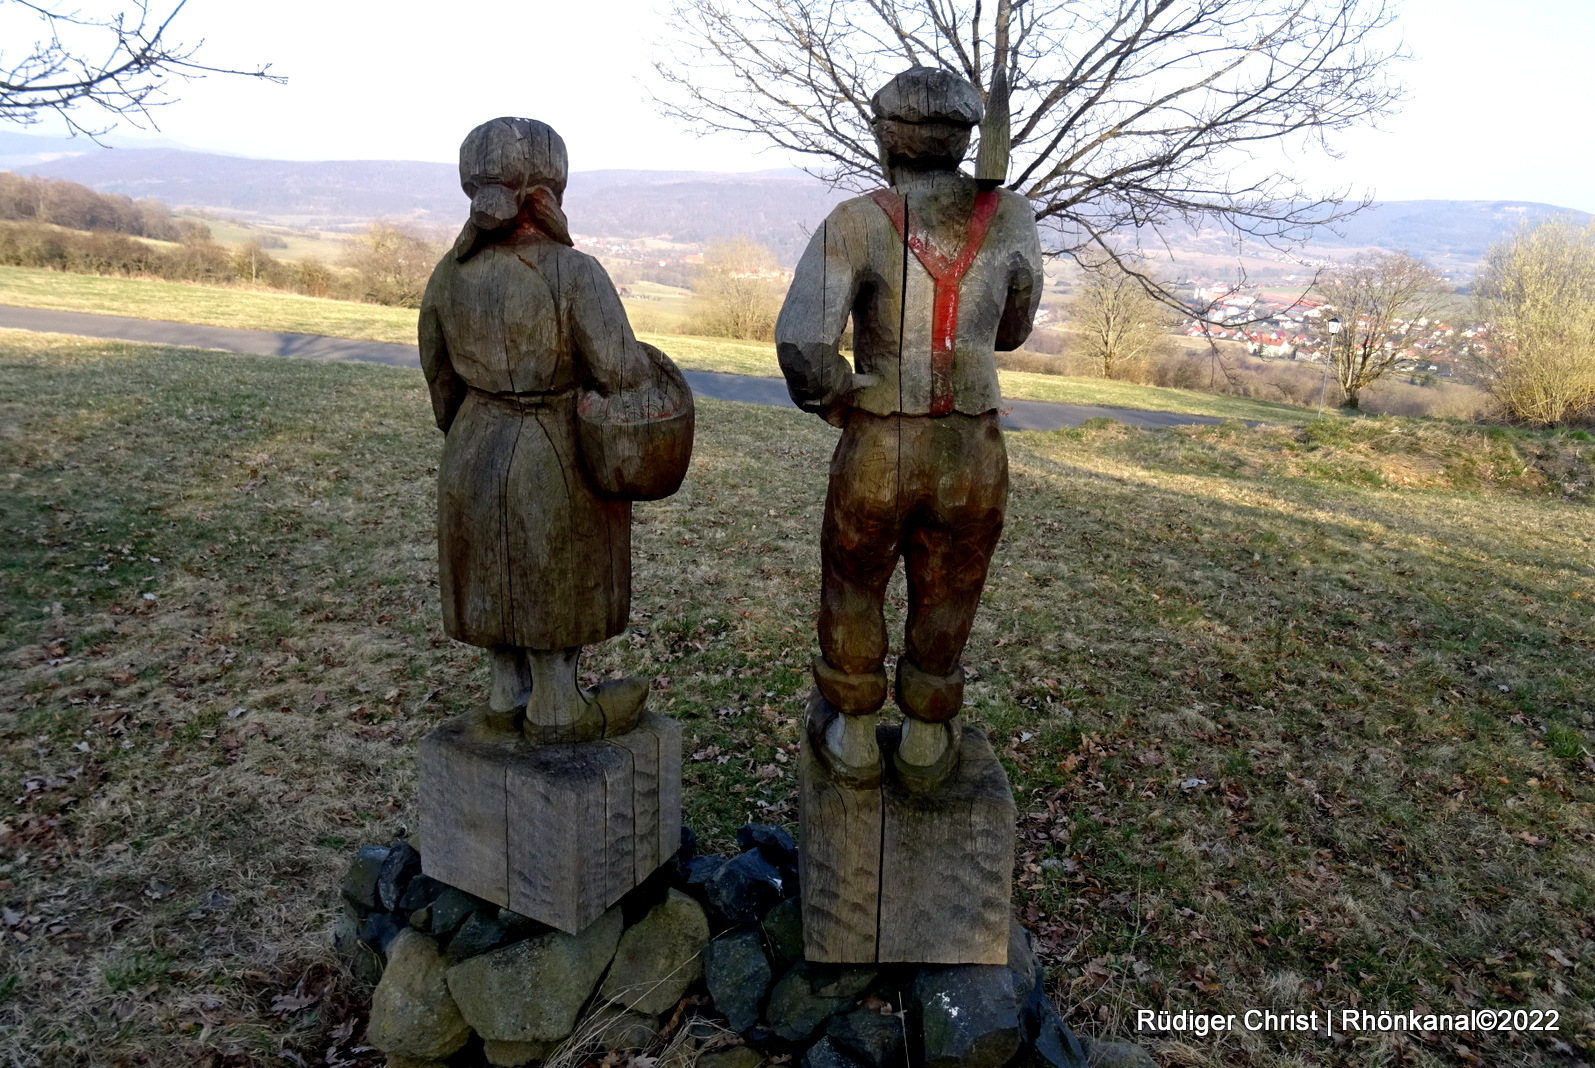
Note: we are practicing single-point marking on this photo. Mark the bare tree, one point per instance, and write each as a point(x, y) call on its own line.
point(120, 63)
point(1120, 324)
point(1537, 290)
point(392, 263)
point(248, 260)
point(1384, 300)
point(1123, 115)
point(739, 292)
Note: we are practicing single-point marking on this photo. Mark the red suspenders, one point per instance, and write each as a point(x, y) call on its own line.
point(948, 274)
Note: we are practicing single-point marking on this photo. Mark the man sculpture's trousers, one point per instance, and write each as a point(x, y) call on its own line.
point(933, 491)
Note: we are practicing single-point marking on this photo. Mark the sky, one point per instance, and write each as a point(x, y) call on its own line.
point(1498, 92)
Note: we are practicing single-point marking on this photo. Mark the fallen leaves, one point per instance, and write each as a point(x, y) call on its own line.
point(42, 782)
point(283, 1004)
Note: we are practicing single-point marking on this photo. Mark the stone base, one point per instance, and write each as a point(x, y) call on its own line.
point(669, 993)
point(557, 833)
point(889, 877)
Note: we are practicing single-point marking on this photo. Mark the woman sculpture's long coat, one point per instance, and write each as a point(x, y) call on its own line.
point(529, 554)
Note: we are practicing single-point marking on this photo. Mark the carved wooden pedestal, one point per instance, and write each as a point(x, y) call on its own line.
point(556, 832)
point(889, 877)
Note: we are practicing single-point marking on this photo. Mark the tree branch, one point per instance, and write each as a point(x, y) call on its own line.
point(139, 61)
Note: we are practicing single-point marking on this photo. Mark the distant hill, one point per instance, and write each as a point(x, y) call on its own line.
point(18, 150)
point(1445, 232)
point(1451, 235)
point(685, 207)
point(777, 208)
point(292, 193)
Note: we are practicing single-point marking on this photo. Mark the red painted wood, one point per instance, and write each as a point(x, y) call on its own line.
point(947, 272)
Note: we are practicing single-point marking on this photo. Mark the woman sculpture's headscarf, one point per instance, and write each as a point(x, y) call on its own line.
point(505, 164)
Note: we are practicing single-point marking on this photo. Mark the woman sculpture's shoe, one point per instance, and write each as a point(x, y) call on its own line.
point(609, 710)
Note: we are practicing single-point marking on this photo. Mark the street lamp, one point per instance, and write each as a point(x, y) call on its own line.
point(1323, 382)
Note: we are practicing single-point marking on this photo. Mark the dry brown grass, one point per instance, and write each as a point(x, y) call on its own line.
point(1293, 391)
point(1371, 640)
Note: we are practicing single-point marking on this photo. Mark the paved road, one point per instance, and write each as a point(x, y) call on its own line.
point(1018, 414)
point(250, 342)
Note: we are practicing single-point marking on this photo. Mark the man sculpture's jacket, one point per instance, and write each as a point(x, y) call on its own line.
point(934, 284)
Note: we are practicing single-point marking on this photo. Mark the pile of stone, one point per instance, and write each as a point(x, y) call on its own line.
point(701, 964)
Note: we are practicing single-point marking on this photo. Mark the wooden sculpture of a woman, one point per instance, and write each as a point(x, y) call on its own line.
point(556, 419)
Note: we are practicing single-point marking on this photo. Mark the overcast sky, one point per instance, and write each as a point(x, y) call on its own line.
point(1499, 102)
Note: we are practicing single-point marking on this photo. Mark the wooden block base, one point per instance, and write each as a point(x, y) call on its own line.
point(558, 833)
point(889, 877)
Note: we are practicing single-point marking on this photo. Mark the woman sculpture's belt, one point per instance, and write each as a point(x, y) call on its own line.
point(522, 402)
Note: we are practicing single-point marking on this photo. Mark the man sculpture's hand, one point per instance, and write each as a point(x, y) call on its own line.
point(819, 380)
point(836, 413)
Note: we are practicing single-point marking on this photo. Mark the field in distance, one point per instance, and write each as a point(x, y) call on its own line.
point(651, 305)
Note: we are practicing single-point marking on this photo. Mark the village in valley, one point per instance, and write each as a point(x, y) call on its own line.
point(1275, 326)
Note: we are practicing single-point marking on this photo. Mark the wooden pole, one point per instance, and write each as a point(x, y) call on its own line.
point(991, 162)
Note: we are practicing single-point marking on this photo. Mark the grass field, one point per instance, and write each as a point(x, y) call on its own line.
point(245, 309)
point(1295, 717)
point(657, 309)
point(658, 306)
point(299, 244)
point(1070, 390)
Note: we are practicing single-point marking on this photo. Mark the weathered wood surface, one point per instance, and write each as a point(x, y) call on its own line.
point(531, 553)
point(872, 260)
point(996, 129)
point(890, 877)
point(636, 444)
point(947, 863)
point(464, 826)
point(656, 791)
point(570, 810)
point(531, 365)
point(839, 862)
point(935, 274)
point(558, 833)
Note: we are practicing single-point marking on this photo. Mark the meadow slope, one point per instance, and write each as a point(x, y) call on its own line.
point(1295, 716)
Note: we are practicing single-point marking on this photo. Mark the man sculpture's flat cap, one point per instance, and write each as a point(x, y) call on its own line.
point(928, 94)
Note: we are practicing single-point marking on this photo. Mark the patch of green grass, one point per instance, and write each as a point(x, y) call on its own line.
point(1565, 742)
point(718, 354)
point(1277, 737)
point(135, 970)
point(655, 308)
point(245, 309)
point(1069, 390)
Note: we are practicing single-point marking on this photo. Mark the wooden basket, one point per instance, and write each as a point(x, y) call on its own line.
point(636, 444)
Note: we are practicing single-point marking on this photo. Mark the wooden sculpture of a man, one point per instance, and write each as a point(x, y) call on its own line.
point(534, 373)
point(937, 273)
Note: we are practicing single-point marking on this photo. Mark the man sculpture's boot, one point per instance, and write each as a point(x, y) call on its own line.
point(842, 712)
point(932, 734)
